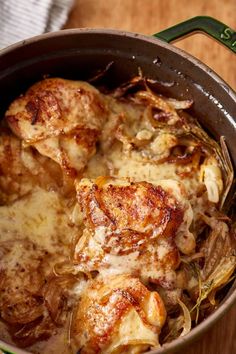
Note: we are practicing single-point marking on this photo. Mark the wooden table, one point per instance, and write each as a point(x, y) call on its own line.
point(151, 16)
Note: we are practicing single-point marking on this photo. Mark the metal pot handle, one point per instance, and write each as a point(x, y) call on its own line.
point(205, 24)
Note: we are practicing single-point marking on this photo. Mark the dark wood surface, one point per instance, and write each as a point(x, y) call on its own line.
point(151, 16)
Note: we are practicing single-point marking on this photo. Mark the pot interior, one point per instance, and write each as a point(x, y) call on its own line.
point(79, 54)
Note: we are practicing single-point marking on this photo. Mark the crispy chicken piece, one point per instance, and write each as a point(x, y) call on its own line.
point(22, 169)
point(62, 119)
point(131, 228)
point(117, 315)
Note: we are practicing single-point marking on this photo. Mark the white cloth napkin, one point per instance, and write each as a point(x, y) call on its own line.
point(21, 19)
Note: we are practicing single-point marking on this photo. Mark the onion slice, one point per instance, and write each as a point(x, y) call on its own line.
point(187, 319)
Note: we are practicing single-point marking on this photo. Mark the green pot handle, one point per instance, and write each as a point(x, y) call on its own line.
point(208, 25)
point(2, 351)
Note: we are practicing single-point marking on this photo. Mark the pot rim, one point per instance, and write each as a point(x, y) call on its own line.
point(230, 299)
point(104, 31)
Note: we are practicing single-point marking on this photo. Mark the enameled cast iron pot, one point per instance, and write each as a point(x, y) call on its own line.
point(79, 53)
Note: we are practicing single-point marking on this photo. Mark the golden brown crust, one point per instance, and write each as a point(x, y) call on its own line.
point(141, 207)
point(103, 307)
point(138, 221)
point(60, 116)
point(58, 104)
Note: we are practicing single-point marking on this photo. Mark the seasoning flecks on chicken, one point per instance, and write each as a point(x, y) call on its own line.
point(116, 315)
point(130, 228)
point(61, 119)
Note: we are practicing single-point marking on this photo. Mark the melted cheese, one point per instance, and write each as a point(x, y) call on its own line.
point(122, 165)
point(39, 217)
point(36, 232)
point(152, 257)
point(64, 120)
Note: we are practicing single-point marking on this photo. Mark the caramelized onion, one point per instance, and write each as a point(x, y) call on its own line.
point(55, 294)
point(26, 310)
point(176, 104)
point(28, 334)
point(187, 319)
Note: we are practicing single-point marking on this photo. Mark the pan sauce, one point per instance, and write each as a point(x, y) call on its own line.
point(104, 201)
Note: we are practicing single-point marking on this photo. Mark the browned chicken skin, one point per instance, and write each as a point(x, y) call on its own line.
point(108, 312)
point(129, 227)
point(62, 119)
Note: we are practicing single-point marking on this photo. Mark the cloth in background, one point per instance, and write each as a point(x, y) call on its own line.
point(21, 19)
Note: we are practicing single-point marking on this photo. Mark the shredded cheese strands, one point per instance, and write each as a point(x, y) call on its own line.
point(187, 319)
